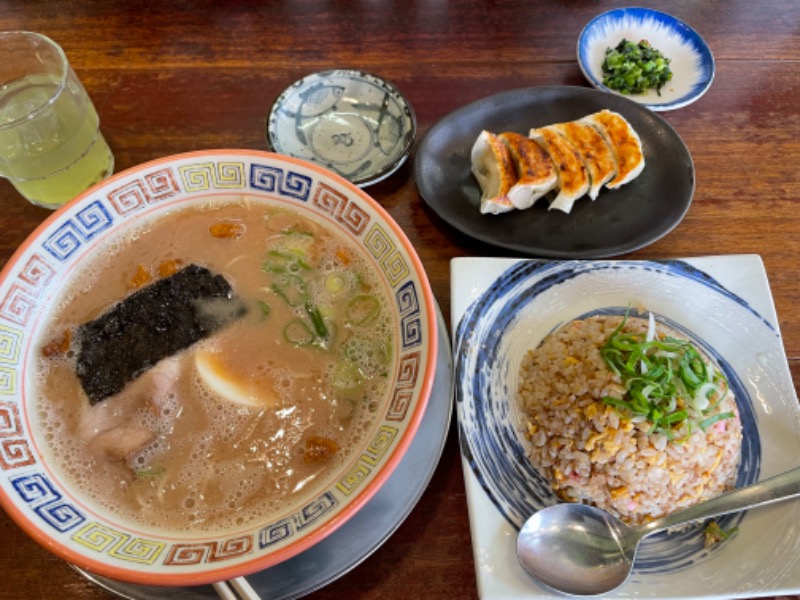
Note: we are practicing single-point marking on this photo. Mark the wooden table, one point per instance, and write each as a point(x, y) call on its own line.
point(170, 77)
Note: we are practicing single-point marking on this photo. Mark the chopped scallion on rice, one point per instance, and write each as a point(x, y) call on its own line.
point(666, 381)
point(586, 439)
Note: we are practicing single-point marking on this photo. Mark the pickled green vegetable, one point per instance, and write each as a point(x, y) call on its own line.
point(635, 68)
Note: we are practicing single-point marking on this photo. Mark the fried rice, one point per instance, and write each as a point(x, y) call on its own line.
point(596, 453)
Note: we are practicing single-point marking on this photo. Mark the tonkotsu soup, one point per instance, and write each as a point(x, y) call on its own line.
point(229, 431)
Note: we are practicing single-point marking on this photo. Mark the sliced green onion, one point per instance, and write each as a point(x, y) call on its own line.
point(335, 283)
point(347, 376)
point(371, 355)
point(362, 283)
point(298, 333)
point(317, 321)
point(700, 400)
point(294, 231)
point(292, 289)
point(706, 423)
point(611, 401)
point(264, 307)
point(362, 309)
point(666, 381)
point(714, 533)
point(675, 417)
point(285, 261)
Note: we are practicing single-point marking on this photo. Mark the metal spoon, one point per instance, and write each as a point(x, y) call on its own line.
point(584, 551)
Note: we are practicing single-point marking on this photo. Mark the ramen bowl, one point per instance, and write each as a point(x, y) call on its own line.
point(48, 503)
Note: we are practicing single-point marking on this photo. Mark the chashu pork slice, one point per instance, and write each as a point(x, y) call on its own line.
point(624, 142)
point(573, 179)
point(594, 150)
point(536, 174)
point(494, 170)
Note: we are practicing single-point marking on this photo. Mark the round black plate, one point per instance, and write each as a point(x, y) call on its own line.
point(619, 221)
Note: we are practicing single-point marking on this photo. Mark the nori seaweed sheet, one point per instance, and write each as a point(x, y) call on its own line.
point(151, 324)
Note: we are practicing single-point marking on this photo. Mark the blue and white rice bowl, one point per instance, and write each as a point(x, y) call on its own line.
point(692, 63)
point(533, 298)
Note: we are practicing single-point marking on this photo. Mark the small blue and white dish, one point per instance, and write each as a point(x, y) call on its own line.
point(692, 63)
point(353, 123)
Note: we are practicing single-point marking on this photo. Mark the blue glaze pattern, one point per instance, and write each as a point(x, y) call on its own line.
point(269, 178)
point(82, 227)
point(410, 325)
point(533, 298)
point(350, 122)
point(692, 64)
point(38, 492)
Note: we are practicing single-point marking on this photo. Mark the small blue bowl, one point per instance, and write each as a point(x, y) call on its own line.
point(692, 63)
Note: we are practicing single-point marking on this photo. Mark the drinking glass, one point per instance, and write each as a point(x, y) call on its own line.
point(51, 148)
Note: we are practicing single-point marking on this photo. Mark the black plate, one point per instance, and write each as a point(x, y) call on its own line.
point(619, 221)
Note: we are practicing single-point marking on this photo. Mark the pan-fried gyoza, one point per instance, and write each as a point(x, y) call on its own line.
point(562, 162)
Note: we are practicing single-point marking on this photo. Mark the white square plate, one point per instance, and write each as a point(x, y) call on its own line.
point(725, 301)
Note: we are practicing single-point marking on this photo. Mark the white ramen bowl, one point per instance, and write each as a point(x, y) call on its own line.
point(64, 520)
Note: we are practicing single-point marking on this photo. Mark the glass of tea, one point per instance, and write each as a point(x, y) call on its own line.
point(51, 148)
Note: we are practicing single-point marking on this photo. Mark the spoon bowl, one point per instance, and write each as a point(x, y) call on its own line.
point(586, 538)
point(582, 550)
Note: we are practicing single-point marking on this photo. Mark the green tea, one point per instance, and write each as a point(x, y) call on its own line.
point(58, 151)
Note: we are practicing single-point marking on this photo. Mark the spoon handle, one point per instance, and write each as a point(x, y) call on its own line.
point(777, 488)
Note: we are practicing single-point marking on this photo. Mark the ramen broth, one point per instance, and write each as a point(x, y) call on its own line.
point(230, 431)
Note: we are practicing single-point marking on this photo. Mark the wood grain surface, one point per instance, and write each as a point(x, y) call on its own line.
point(169, 77)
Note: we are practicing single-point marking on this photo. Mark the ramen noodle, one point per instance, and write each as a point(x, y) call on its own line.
point(253, 416)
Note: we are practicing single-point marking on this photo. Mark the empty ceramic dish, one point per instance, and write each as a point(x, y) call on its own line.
point(353, 123)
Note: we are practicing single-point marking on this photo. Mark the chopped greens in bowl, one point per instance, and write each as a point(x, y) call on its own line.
point(634, 68)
